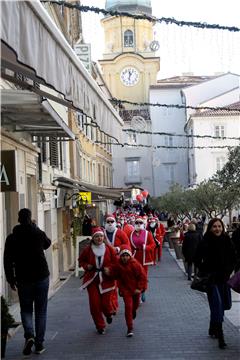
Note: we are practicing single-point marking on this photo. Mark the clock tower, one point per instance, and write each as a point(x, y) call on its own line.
point(129, 63)
point(130, 67)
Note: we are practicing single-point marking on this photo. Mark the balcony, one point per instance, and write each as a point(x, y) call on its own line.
point(132, 180)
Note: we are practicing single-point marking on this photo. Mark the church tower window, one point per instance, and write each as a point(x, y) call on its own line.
point(128, 38)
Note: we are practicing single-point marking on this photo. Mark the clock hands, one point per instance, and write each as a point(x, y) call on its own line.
point(129, 74)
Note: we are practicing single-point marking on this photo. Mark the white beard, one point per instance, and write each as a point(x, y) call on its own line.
point(153, 224)
point(139, 227)
point(110, 227)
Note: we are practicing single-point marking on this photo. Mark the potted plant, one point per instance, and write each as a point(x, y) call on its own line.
point(6, 322)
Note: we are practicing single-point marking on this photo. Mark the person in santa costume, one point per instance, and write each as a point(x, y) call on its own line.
point(94, 258)
point(128, 227)
point(154, 229)
point(132, 281)
point(116, 238)
point(143, 245)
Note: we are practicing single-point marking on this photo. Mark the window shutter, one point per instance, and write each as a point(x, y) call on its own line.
point(54, 152)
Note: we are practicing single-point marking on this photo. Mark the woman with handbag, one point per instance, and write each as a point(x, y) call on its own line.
point(215, 257)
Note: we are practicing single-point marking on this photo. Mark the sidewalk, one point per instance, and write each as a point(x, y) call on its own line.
point(233, 314)
point(171, 324)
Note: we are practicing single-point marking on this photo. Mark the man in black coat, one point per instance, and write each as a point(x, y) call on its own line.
point(189, 247)
point(27, 272)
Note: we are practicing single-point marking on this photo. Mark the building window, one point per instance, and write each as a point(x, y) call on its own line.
point(131, 138)
point(168, 141)
point(99, 175)
point(84, 168)
point(219, 131)
point(80, 120)
point(94, 173)
point(220, 162)
point(128, 38)
point(133, 168)
point(170, 173)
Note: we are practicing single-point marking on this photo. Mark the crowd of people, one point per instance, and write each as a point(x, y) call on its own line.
point(116, 263)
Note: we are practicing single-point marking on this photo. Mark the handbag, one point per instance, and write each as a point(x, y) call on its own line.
point(234, 282)
point(201, 282)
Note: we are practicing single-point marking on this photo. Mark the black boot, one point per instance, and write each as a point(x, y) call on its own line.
point(212, 331)
point(221, 341)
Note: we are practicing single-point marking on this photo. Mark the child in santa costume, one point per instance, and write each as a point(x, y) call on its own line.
point(116, 238)
point(132, 281)
point(94, 258)
point(143, 245)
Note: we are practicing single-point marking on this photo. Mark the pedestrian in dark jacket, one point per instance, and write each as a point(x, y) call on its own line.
point(190, 242)
point(27, 272)
point(215, 256)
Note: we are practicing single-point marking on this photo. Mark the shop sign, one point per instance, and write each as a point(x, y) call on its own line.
point(8, 170)
point(85, 197)
point(83, 52)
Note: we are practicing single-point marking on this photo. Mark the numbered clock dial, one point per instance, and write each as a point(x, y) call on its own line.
point(129, 76)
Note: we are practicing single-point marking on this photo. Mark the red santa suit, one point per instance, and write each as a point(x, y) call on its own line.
point(119, 238)
point(155, 229)
point(128, 229)
point(99, 286)
point(161, 231)
point(131, 277)
point(143, 245)
point(116, 238)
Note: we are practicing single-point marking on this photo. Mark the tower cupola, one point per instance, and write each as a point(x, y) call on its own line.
point(131, 6)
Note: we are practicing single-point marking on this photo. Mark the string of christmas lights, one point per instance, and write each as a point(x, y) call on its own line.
point(165, 146)
point(150, 18)
point(181, 135)
point(119, 102)
point(172, 134)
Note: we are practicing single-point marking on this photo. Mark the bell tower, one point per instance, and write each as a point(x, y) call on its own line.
point(129, 62)
point(130, 67)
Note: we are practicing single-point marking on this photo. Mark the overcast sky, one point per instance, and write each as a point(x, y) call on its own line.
point(184, 49)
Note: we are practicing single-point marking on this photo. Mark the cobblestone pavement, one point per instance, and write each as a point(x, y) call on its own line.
point(171, 324)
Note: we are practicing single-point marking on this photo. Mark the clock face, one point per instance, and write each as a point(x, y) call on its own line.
point(129, 76)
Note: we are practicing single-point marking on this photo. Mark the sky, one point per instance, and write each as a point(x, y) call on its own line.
point(183, 49)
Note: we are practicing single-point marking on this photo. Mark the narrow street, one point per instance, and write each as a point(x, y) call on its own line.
point(171, 324)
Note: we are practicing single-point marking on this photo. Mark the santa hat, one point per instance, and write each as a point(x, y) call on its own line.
point(153, 219)
point(97, 231)
point(110, 217)
point(139, 218)
point(124, 249)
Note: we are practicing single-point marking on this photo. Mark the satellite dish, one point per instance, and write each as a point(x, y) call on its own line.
point(138, 123)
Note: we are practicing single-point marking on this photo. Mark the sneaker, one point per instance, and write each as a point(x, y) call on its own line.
point(27, 350)
point(143, 297)
point(129, 333)
point(109, 319)
point(101, 331)
point(39, 348)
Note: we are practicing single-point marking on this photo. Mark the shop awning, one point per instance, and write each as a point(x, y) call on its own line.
point(99, 192)
point(33, 46)
point(26, 111)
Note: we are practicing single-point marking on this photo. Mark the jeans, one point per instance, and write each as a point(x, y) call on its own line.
point(35, 293)
point(189, 266)
point(219, 299)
